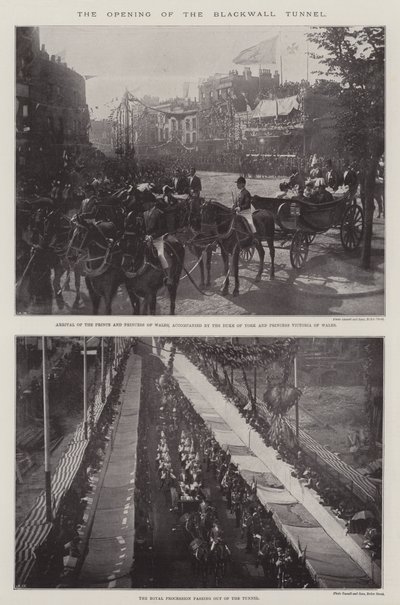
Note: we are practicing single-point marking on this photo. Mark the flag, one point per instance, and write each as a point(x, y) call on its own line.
point(261, 54)
point(292, 48)
point(88, 77)
point(186, 89)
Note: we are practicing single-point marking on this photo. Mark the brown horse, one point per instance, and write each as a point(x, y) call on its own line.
point(110, 261)
point(233, 234)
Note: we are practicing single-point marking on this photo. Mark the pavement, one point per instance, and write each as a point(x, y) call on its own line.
point(111, 524)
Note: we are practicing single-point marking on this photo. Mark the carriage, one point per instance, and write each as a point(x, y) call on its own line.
point(298, 221)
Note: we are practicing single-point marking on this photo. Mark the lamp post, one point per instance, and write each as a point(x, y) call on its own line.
point(46, 423)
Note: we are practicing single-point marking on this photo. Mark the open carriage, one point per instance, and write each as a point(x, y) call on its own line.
point(299, 220)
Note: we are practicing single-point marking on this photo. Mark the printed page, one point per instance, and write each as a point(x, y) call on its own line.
point(198, 309)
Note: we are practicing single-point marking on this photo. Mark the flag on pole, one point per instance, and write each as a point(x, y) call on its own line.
point(292, 48)
point(186, 89)
point(262, 53)
point(88, 77)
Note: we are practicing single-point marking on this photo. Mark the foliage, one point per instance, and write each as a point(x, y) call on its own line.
point(236, 356)
point(355, 57)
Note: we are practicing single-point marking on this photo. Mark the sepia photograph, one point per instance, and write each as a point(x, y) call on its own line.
point(199, 463)
point(200, 170)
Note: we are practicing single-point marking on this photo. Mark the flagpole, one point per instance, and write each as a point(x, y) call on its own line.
point(46, 432)
point(280, 55)
point(307, 61)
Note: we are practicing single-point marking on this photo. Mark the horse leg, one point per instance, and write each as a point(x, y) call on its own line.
point(199, 255)
point(94, 296)
point(58, 271)
point(153, 303)
point(67, 287)
point(135, 301)
point(261, 255)
point(270, 242)
point(235, 265)
point(172, 297)
point(225, 259)
point(208, 265)
point(77, 278)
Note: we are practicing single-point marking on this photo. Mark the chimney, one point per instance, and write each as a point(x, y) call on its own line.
point(43, 48)
point(247, 73)
point(53, 58)
point(58, 59)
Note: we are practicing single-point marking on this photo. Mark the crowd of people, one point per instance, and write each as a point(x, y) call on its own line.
point(336, 494)
point(190, 464)
point(56, 559)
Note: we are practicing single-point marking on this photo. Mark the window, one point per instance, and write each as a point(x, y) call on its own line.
point(187, 124)
point(194, 123)
point(194, 137)
point(188, 138)
point(173, 124)
point(25, 111)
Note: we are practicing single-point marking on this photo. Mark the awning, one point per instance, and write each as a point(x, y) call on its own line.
point(271, 108)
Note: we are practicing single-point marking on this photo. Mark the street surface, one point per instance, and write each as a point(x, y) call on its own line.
point(330, 283)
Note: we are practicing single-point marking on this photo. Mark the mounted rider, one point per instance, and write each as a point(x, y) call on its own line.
point(242, 204)
point(154, 221)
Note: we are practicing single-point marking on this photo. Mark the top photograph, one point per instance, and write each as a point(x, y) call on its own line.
point(200, 170)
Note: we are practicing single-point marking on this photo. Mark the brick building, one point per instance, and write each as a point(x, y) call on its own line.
point(222, 96)
point(52, 117)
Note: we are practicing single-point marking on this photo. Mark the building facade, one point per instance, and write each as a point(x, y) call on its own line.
point(52, 117)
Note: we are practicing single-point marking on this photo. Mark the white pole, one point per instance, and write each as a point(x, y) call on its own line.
point(85, 410)
point(102, 360)
point(297, 401)
point(46, 423)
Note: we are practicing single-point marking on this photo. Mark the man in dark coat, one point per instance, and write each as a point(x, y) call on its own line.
point(194, 182)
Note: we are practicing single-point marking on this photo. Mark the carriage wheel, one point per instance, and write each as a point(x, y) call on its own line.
point(352, 227)
point(299, 249)
point(246, 254)
point(310, 237)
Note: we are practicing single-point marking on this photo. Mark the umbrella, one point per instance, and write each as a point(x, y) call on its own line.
point(363, 515)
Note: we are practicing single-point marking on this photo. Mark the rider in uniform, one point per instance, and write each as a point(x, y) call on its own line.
point(153, 220)
point(242, 204)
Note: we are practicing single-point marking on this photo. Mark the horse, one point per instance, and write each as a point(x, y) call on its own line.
point(199, 551)
point(110, 260)
point(233, 234)
point(219, 558)
point(34, 285)
point(182, 217)
point(49, 234)
point(96, 250)
point(141, 255)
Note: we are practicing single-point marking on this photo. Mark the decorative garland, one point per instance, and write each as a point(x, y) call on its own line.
point(236, 355)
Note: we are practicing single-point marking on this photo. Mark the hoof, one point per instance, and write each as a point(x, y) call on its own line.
point(208, 284)
point(60, 303)
point(225, 292)
point(235, 292)
point(257, 279)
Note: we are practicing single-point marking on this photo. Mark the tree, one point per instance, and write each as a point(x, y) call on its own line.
point(355, 58)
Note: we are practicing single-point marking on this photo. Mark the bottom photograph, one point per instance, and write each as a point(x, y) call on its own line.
point(199, 463)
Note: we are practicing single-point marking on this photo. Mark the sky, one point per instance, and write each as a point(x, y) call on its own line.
point(158, 60)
